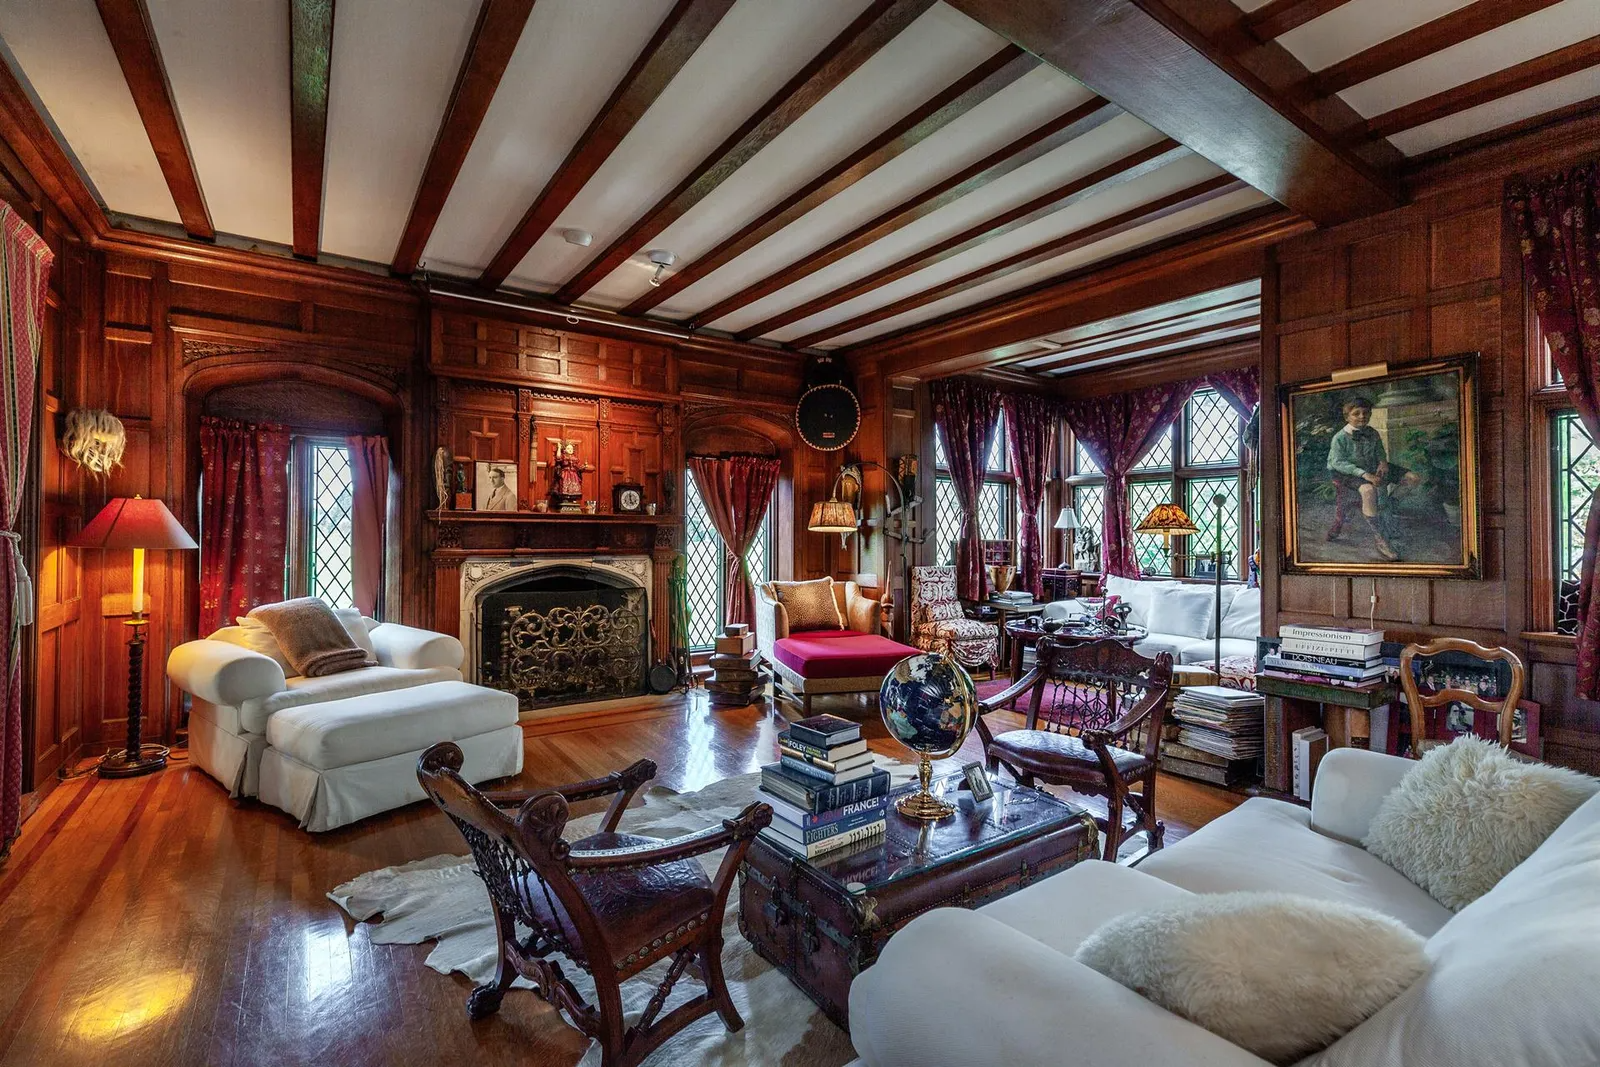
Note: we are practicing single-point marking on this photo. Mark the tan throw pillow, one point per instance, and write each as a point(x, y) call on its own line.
point(1277, 974)
point(1468, 813)
point(811, 605)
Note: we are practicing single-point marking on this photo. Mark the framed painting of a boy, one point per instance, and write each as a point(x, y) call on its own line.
point(1381, 472)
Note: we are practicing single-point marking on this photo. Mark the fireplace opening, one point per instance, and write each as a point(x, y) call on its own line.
point(564, 635)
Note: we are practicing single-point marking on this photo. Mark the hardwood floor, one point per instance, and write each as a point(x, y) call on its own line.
point(153, 921)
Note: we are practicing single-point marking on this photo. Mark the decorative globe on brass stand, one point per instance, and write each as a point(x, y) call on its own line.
point(928, 704)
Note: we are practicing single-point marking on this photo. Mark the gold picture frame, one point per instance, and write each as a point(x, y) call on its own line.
point(1391, 492)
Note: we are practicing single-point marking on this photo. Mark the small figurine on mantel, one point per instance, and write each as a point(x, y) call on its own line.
point(566, 475)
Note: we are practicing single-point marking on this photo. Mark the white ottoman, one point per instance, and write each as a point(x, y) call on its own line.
point(332, 763)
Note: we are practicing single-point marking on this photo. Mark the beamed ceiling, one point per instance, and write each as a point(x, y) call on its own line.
point(826, 172)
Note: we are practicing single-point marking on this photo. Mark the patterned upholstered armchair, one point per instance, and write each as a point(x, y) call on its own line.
point(938, 625)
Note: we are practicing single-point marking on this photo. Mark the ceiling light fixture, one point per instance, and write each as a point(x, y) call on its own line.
point(581, 238)
point(662, 259)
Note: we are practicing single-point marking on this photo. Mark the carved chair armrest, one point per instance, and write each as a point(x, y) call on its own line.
point(731, 832)
point(1006, 696)
point(1135, 715)
point(624, 783)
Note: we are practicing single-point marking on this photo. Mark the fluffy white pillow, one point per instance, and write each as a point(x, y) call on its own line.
point(1138, 593)
point(257, 638)
point(1276, 974)
point(1468, 813)
point(1183, 610)
point(356, 627)
point(1242, 615)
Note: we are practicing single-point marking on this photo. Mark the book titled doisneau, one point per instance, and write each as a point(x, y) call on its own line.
point(827, 844)
point(811, 836)
point(795, 815)
point(1373, 660)
point(814, 795)
point(825, 731)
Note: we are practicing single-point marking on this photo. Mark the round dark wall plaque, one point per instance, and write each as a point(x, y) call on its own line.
point(828, 417)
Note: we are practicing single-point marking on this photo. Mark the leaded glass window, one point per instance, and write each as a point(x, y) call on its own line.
point(331, 575)
point(996, 499)
point(1142, 499)
point(1576, 468)
point(1204, 515)
point(1090, 501)
point(1159, 455)
point(1211, 430)
point(1083, 462)
point(708, 594)
point(947, 511)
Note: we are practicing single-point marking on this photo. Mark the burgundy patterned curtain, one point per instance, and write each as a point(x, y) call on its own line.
point(24, 280)
point(737, 491)
point(1240, 387)
point(965, 410)
point(1557, 218)
point(1117, 430)
point(369, 503)
point(1031, 431)
point(244, 518)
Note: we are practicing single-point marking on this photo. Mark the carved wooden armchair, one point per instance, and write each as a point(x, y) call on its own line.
point(1432, 662)
point(612, 903)
point(1093, 725)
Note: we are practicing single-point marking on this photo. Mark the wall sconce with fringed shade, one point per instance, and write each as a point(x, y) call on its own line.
point(833, 516)
point(140, 525)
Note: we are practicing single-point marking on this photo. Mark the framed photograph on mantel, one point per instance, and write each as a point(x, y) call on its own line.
point(1380, 473)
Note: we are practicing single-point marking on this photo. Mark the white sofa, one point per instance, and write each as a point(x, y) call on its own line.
point(1512, 976)
point(337, 748)
point(1180, 616)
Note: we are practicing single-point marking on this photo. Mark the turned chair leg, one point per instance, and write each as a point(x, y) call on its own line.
point(1113, 828)
point(717, 987)
point(484, 1001)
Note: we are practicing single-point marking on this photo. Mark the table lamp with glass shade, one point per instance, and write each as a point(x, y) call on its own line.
point(1169, 520)
point(141, 525)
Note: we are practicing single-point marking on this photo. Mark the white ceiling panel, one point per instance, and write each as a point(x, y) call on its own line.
point(63, 53)
point(1528, 38)
point(1228, 294)
point(228, 65)
point(1025, 105)
point(757, 47)
point(1582, 85)
point(1357, 26)
point(1184, 172)
point(381, 127)
point(571, 56)
point(1211, 211)
point(931, 53)
point(1095, 149)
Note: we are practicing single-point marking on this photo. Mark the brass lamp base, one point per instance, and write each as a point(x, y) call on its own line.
point(923, 804)
point(121, 764)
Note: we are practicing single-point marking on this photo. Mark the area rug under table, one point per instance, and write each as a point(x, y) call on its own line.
point(441, 899)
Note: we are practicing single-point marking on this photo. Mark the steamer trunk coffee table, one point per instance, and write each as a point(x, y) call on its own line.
point(823, 921)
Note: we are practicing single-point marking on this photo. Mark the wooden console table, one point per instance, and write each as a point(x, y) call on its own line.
point(1292, 705)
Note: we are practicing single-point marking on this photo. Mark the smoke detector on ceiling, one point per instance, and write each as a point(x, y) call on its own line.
point(662, 259)
point(581, 238)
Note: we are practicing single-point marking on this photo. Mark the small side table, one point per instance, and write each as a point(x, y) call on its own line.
point(1002, 612)
point(1291, 705)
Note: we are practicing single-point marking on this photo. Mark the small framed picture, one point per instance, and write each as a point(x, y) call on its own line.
point(496, 486)
point(978, 781)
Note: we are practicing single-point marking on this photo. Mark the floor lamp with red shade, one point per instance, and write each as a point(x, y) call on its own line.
point(141, 525)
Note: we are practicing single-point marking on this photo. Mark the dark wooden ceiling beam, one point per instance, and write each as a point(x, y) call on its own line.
point(1153, 62)
point(310, 66)
point(133, 39)
point(1462, 24)
point(875, 27)
point(1277, 18)
point(494, 39)
point(978, 85)
point(1133, 165)
point(1087, 116)
point(1514, 79)
point(1171, 204)
point(685, 28)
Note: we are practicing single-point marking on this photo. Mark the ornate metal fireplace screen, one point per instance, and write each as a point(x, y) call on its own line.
point(564, 639)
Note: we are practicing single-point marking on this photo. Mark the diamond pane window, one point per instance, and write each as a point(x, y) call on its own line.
point(993, 503)
point(1142, 497)
point(1083, 462)
point(1577, 473)
point(999, 458)
point(704, 549)
point(947, 521)
point(1159, 457)
point(1090, 500)
point(1211, 431)
point(1204, 515)
point(940, 460)
point(332, 576)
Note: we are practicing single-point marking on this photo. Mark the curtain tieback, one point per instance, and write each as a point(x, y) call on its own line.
point(21, 583)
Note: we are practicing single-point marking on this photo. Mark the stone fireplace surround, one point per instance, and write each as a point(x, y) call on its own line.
point(483, 575)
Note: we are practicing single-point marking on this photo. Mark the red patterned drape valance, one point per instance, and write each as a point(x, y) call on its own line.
point(966, 410)
point(244, 518)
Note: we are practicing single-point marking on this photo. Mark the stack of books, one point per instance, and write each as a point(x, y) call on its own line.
point(824, 791)
point(1221, 732)
point(1328, 655)
point(735, 681)
point(1310, 745)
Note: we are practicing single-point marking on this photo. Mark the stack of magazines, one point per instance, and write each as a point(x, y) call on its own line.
point(1220, 734)
point(1328, 655)
point(824, 791)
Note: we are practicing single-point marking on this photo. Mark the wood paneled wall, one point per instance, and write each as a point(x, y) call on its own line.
point(1440, 277)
